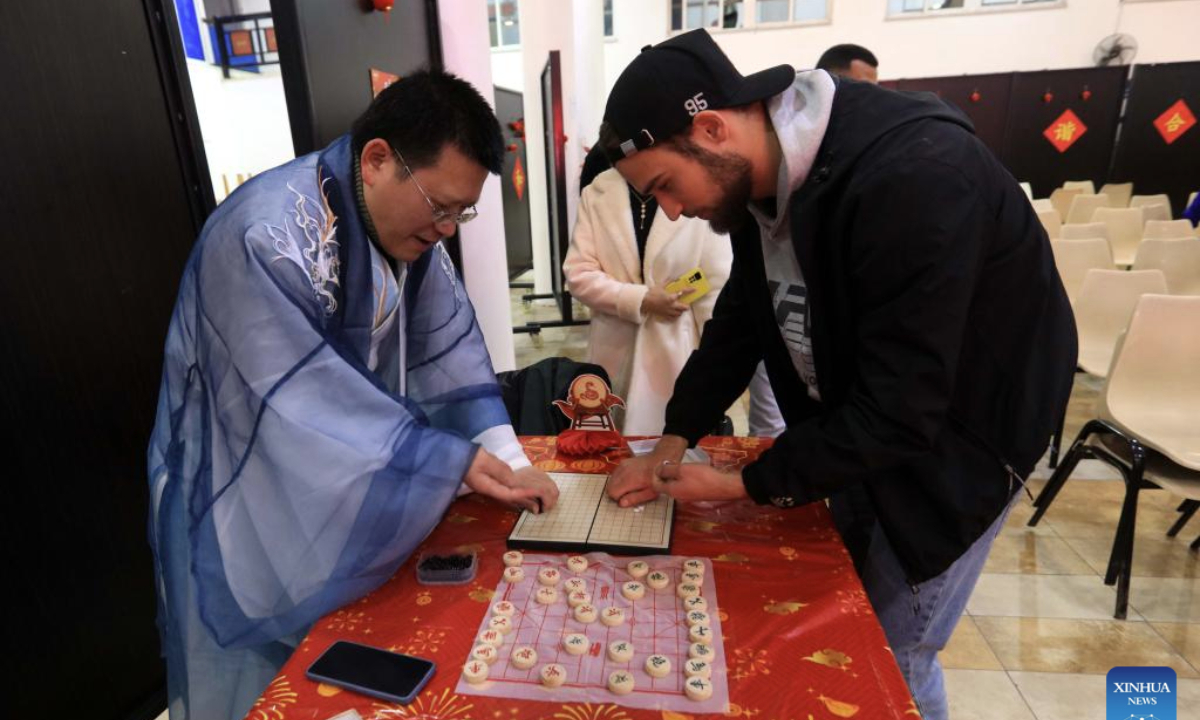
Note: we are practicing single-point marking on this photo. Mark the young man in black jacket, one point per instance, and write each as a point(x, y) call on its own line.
point(902, 293)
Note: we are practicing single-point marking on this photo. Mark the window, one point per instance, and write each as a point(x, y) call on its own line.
point(608, 26)
point(504, 25)
point(730, 14)
point(915, 8)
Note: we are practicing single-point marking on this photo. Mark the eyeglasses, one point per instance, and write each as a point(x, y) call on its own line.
point(440, 214)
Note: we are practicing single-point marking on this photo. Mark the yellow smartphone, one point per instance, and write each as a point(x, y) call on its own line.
point(693, 279)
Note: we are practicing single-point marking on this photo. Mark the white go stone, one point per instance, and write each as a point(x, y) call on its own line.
point(523, 657)
point(633, 590)
point(585, 613)
point(492, 637)
point(658, 580)
point(577, 563)
point(501, 623)
point(620, 682)
point(578, 598)
point(700, 651)
point(612, 616)
point(513, 574)
point(699, 633)
point(620, 651)
point(553, 675)
point(637, 569)
point(693, 578)
point(695, 603)
point(513, 558)
point(686, 590)
point(698, 688)
point(575, 585)
point(486, 653)
point(693, 565)
point(697, 668)
point(549, 576)
point(696, 617)
point(546, 595)
point(475, 672)
point(575, 643)
point(658, 666)
point(504, 609)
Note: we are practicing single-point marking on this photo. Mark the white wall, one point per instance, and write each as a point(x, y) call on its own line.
point(1034, 39)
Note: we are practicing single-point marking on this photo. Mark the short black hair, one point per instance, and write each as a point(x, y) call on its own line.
point(839, 57)
point(424, 111)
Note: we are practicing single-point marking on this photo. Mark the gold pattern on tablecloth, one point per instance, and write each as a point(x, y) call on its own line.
point(748, 662)
point(830, 658)
point(838, 707)
point(789, 553)
point(733, 557)
point(588, 465)
point(479, 593)
point(786, 607)
point(703, 526)
point(550, 465)
point(588, 711)
point(327, 690)
point(736, 710)
point(424, 597)
point(271, 705)
point(347, 621)
point(460, 519)
point(476, 548)
point(425, 642)
point(854, 602)
point(722, 616)
point(669, 715)
point(912, 709)
point(446, 706)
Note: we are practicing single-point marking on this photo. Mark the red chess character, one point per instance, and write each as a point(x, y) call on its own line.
point(474, 667)
point(613, 611)
point(525, 654)
point(552, 671)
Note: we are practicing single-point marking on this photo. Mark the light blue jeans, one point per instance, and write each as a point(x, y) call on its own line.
point(918, 624)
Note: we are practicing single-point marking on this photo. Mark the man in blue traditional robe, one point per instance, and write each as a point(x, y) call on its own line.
point(326, 392)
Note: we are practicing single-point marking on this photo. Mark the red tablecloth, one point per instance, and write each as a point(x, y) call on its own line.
point(801, 640)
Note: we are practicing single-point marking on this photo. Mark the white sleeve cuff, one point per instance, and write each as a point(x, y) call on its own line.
point(502, 442)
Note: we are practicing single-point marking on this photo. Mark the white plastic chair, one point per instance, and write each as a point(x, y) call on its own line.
point(1082, 207)
point(1074, 258)
point(1148, 202)
point(1179, 261)
point(1061, 199)
point(1051, 221)
point(1028, 190)
point(1124, 231)
point(1105, 301)
point(1166, 229)
point(1082, 231)
point(1118, 193)
point(1042, 204)
point(1146, 424)
point(1087, 187)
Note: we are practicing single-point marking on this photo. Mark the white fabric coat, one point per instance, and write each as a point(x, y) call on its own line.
point(642, 354)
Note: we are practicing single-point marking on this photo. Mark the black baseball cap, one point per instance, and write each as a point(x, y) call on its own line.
point(667, 84)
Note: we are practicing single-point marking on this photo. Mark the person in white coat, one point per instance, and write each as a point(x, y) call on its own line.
point(623, 253)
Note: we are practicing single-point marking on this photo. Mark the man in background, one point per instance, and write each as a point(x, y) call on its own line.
point(852, 61)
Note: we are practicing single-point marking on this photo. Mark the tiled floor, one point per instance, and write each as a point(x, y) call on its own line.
point(1039, 636)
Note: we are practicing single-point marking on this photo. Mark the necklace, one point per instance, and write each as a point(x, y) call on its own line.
point(643, 199)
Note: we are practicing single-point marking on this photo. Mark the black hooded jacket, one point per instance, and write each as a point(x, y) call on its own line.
point(942, 338)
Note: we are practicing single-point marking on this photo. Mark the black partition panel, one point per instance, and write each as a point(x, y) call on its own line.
point(1144, 157)
point(556, 177)
point(102, 196)
point(984, 99)
point(1037, 103)
point(327, 49)
point(514, 181)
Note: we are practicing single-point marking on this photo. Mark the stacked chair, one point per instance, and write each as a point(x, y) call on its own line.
point(1118, 194)
point(1179, 261)
point(1083, 206)
point(1145, 424)
point(1124, 231)
point(1154, 207)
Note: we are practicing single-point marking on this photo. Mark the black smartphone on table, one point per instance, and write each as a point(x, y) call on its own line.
point(371, 671)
